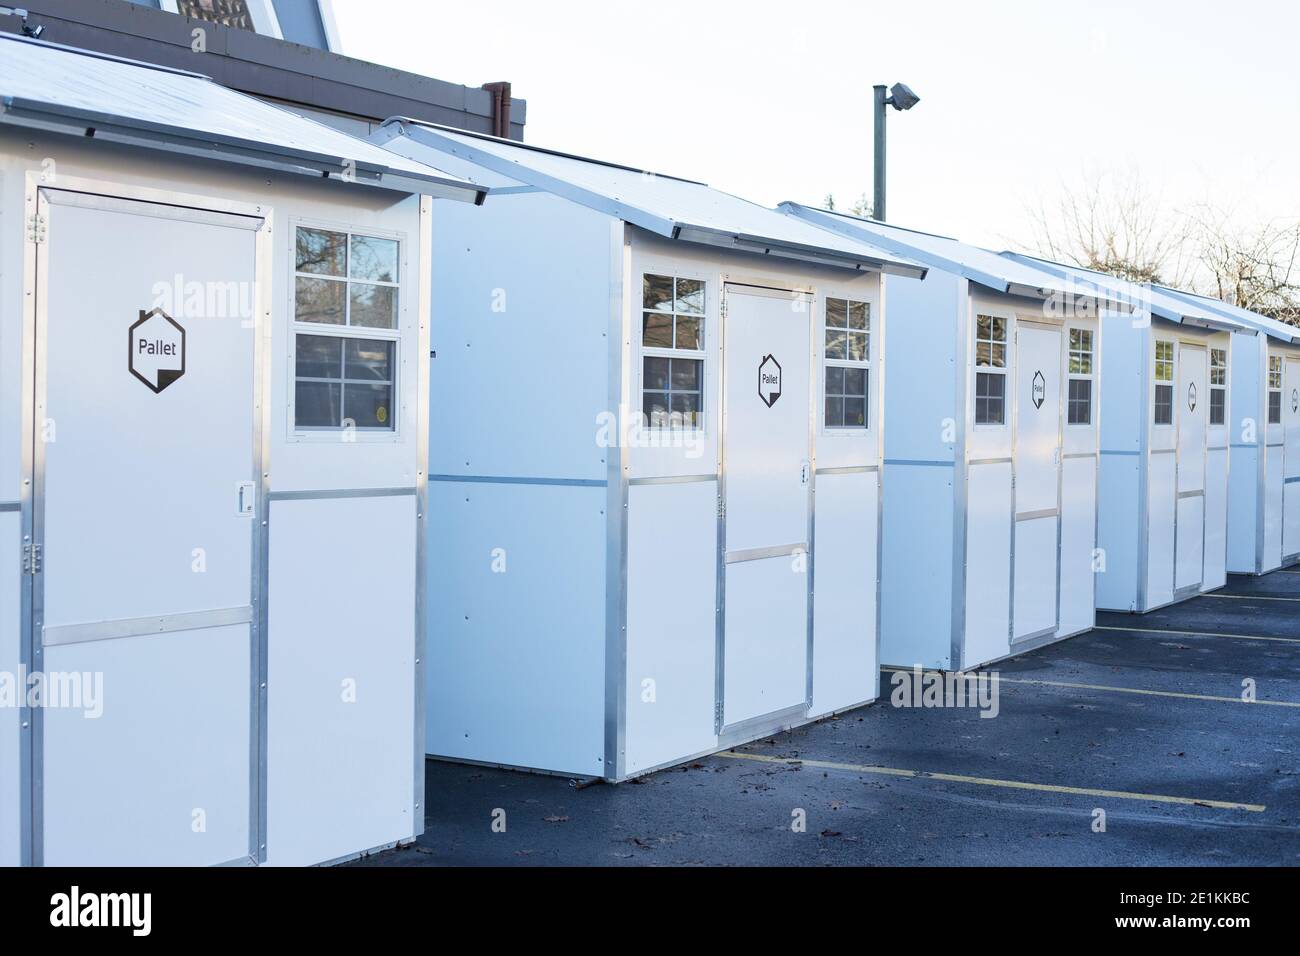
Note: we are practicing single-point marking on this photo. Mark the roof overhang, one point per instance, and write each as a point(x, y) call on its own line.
point(58, 118)
point(786, 250)
point(669, 228)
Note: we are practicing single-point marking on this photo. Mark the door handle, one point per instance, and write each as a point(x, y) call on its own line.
point(805, 472)
point(247, 499)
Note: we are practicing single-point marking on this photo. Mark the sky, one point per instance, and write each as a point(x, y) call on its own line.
point(1020, 101)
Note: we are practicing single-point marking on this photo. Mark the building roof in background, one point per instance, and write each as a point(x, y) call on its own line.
point(55, 88)
point(296, 70)
point(666, 205)
point(978, 265)
point(1144, 296)
point(1260, 323)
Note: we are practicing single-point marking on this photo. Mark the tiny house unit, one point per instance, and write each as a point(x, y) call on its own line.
point(212, 421)
point(1166, 377)
point(641, 386)
point(1264, 440)
point(990, 452)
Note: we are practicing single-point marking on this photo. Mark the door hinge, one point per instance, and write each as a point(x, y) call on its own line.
point(722, 507)
point(36, 228)
point(717, 713)
point(31, 559)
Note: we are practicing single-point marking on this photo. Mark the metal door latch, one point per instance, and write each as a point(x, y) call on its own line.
point(805, 471)
point(246, 499)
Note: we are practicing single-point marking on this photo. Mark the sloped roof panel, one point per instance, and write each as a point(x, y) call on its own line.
point(69, 90)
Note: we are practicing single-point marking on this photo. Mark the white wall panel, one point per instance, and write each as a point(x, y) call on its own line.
point(516, 658)
point(988, 564)
point(1078, 536)
point(1160, 529)
point(1214, 574)
point(844, 607)
point(671, 621)
point(10, 653)
point(340, 697)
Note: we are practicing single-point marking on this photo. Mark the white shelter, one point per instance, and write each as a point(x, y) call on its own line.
point(1165, 374)
point(990, 452)
point(1264, 477)
point(640, 387)
point(212, 472)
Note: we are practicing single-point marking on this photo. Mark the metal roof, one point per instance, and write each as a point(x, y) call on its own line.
point(1141, 296)
point(1252, 320)
point(665, 205)
point(980, 266)
point(74, 91)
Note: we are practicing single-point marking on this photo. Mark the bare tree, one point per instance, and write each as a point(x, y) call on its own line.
point(1110, 223)
point(1256, 266)
point(861, 208)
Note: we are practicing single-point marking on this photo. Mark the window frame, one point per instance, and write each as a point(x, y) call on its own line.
point(1271, 390)
point(708, 320)
point(866, 364)
point(1220, 389)
point(397, 334)
point(1158, 383)
point(1003, 370)
point(1071, 376)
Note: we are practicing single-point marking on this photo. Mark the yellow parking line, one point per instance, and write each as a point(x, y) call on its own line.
point(1250, 597)
point(1163, 630)
point(1150, 693)
point(992, 782)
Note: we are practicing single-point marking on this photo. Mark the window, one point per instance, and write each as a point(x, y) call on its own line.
point(1275, 390)
point(345, 330)
point(672, 346)
point(848, 361)
point(1164, 405)
point(990, 370)
point(1218, 386)
point(1079, 401)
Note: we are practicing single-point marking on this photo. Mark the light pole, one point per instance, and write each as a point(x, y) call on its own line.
point(900, 98)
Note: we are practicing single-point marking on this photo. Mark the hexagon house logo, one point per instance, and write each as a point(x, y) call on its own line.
point(156, 349)
point(1039, 389)
point(769, 380)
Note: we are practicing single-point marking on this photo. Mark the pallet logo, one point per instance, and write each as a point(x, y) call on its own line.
point(156, 349)
point(1040, 390)
point(769, 380)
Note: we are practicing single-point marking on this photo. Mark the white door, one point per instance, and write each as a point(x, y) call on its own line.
point(1191, 398)
point(767, 441)
point(1291, 458)
point(1037, 480)
point(145, 513)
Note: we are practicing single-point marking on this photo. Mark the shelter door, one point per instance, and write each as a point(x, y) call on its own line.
point(145, 514)
point(1037, 481)
point(1291, 458)
point(767, 474)
point(1192, 399)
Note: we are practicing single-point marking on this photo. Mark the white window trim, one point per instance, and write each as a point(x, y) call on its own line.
point(1218, 388)
point(847, 431)
point(1172, 382)
point(1080, 376)
point(1270, 390)
point(656, 351)
point(1004, 370)
point(359, 435)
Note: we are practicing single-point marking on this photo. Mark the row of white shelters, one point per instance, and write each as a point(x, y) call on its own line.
point(1166, 377)
point(1264, 477)
point(213, 402)
point(990, 451)
point(640, 387)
